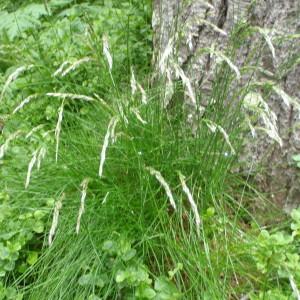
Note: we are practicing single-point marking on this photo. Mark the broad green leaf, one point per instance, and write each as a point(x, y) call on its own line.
point(145, 292)
point(129, 255)
point(121, 276)
point(296, 157)
point(32, 258)
point(91, 279)
point(38, 226)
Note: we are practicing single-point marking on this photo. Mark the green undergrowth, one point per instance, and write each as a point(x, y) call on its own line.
point(118, 234)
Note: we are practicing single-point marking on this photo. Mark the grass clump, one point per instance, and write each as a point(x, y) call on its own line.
point(115, 196)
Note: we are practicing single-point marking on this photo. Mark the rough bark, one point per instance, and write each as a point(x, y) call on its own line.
point(279, 176)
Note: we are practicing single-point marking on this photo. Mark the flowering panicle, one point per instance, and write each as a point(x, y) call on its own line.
point(57, 208)
point(12, 77)
point(164, 184)
point(110, 134)
point(84, 186)
point(191, 201)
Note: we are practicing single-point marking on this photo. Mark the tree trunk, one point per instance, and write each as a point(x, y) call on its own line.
point(197, 24)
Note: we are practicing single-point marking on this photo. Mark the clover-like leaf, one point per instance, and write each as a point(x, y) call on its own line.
point(92, 280)
point(129, 255)
point(32, 258)
point(145, 292)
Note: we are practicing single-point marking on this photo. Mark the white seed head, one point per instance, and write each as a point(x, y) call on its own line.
point(4, 147)
point(70, 96)
point(255, 103)
point(106, 52)
point(84, 186)
point(294, 287)
point(57, 208)
point(214, 127)
point(232, 66)
point(164, 184)
point(105, 198)
point(267, 34)
point(191, 201)
point(212, 25)
point(58, 128)
point(164, 58)
point(187, 83)
point(138, 116)
point(61, 68)
point(24, 102)
point(12, 77)
point(144, 96)
point(133, 83)
point(75, 65)
point(108, 135)
point(41, 156)
point(30, 167)
point(285, 97)
point(33, 130)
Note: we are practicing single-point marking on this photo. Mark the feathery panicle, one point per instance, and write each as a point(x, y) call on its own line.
point(252, 129)
point(4, 147)
point(113, 135)
point(30, 167)
point(271, 128)
point(294, 287)
point(57, 208)
point(164, 184)
point(71, 96)
point(102, 102)
point(58, 127)
point(186, 81)
point(105, 198)
point(164, 59)
point(103, 151)
point(169, 89)
point(33, 130)
point(285, 97)
point(41, 156)
point(133, 83)
point(47, 132)
point(144, 96)
point(189, 41)
point(106, 51)
point(108, 135)
point(75, 65)
point(208, 5)
point(138, 116)
point(231, 65)
point(222, 58)
point(214, 127)
point(61, 68)
point(84, 186)
point(12, 77)
point(191, 201)
point(267, 34)
point(214, 27)
point(121, 111)
point(24, 102)
point(255, 103)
